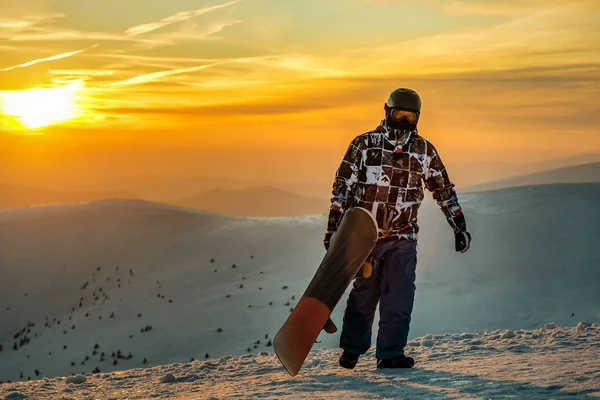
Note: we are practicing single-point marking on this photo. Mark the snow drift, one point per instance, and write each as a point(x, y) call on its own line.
point(552, 363)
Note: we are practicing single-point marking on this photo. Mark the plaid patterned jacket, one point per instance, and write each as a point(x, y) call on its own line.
point(384, 171)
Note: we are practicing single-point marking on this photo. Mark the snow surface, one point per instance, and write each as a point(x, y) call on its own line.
point(534, 261)
point(560, 363)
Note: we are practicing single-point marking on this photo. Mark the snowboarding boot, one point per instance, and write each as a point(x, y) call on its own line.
point(348, 360)
point(400, 361)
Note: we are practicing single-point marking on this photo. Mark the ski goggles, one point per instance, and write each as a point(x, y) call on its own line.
point(409, 116)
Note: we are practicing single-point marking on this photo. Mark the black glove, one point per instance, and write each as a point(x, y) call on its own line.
point(462, 241)
point(327, 239)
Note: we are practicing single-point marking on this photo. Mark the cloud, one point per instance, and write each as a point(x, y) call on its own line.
point(29, 21)
point(14, 24)
point(531, 96)
point(216, 110)
point(40, 28)
point(57, 34)
point(538, 38)
point(154, 76)
point(178, 17)
point(40, 60)
point(191, 33)
point(281, 67)
point(9, 27)
point(559, 33)
point(132, 57)
point(489, 7)
point(504, 7)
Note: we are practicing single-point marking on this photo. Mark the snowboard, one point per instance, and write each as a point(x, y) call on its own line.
point(349, 248)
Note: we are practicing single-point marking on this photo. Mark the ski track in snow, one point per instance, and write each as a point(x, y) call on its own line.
point(550, 363)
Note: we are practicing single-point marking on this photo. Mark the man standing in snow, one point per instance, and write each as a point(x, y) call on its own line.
point(384, 171)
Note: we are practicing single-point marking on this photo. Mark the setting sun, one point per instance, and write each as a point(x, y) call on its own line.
point(36, 108)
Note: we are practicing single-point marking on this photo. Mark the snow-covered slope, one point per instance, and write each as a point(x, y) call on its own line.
point(133, 264)
point(534, 258)
point(151, 265)
point(552, 363)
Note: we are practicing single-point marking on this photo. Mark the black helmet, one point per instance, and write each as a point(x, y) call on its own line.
point(405, 99)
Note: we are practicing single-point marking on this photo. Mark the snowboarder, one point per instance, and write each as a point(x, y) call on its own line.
point(384, 171)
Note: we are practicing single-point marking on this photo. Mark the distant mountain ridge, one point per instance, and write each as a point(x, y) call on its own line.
point(573, 174)
point(12, 196)
point(234, 196)
point(468, 174)
point(259, 201)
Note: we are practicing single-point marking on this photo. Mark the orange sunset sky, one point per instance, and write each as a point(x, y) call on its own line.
point(275, 89)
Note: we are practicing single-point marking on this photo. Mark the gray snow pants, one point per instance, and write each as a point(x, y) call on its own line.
point(392, 283)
